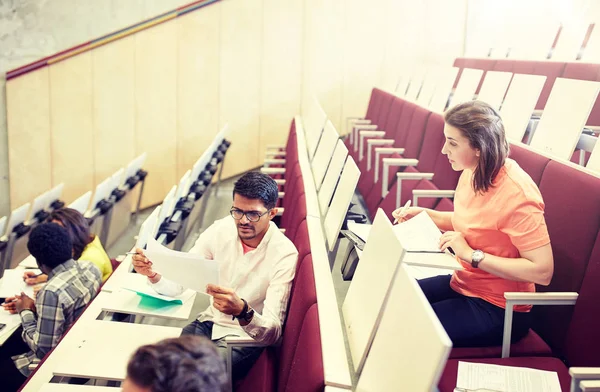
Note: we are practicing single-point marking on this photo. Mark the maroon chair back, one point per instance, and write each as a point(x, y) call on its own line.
point(572, 213)
point(372, 103)
point(504, 65)
point(386, 104)
point(433, 141)
point(533, 163)
point(416, 133)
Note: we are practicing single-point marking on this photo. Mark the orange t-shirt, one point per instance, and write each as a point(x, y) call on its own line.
point(504, 221)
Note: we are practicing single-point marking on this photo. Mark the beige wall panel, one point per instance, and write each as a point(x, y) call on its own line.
point(363, 53)
point(28, 112)
point(113, 106)
point(71, 125)
point(281, 69)
point(156, 108)
point(323, 56)
point(241, 35)
point(198, 84)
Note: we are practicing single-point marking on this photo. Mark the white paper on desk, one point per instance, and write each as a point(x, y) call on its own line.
point(144, 288)
point(505, 378)
point(189, 270)
point(419, 234)
point(29, 262)
point(12, 283)
point(360, 229)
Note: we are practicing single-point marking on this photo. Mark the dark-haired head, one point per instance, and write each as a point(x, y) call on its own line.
point(185, 364)
point(475, 140)
point(254, 198)
point(50, 245)
point(77, 227)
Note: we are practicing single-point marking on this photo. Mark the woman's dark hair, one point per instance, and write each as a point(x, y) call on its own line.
point(255, 185)
point(49, 244)
point(484, 129)
point(185, 364)
point(77, 227)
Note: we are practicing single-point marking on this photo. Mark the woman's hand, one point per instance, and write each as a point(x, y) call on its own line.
point(456, 241)
point(406, 215)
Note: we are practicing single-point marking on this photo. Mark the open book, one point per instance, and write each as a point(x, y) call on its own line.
point(419, 234)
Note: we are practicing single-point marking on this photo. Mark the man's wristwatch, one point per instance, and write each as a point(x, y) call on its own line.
point(476, 257)
point(246, 314)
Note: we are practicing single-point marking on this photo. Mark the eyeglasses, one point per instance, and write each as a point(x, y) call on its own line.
point(252, 216)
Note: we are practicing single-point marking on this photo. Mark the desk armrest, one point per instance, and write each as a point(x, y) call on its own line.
point(351, 122)
point(280, 211)
point(381, 151)
point(376, 142)
point(408, 176)
point(271, 161)
point(512, 299)
point(280, 182)
point(396, 162)
point(272, 170)
point(360, 134)
point(361, 140)
point(588, 386)
point(275, 153)
point(579, 374)
point(236, 341)
point(361, 127)
point(280, 195)
point(432, 193)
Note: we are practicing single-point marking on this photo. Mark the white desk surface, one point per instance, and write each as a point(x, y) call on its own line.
point(106, 347)
point(12, 321)
point(125, 301)
point(28, 262)
point(435, 260)
point(115, 282)
point(76, 388)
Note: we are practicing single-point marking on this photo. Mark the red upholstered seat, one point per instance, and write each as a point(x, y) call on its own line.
point(448, 380)
point(530, 345)
point(533, 163)
point(445, 204)
point(262, 375)
point(304, 296)
point(302, 240)
point(306, 372)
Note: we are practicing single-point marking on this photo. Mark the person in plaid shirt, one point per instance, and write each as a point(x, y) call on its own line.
point(71, 286)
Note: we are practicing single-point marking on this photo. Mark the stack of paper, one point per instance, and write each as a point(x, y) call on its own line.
point(191, 271)
point(419, 234)
point(482, 377)
point(12, 283)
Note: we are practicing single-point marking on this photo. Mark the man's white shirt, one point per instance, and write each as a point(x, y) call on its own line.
point(263, 277)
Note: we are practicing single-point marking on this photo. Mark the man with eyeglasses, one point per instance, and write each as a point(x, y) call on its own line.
point(257, 263)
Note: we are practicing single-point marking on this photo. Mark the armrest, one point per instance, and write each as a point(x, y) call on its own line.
point(280, 195)
point(351, 122)
point(271, 161)
point(389, 162)
point(589, 386)
point(280, 211)
point(236, 341)
point(383, 150)
point(360, 127)
point(280, 182)
point(408, 176)
point(275, 146)
point(359, 130)
point(272, 170)
point(376, 142)
point(282, 230)
point(361, 139)
point(432, 193)
point(512, 299)
point(578, 374)
point(275, 153)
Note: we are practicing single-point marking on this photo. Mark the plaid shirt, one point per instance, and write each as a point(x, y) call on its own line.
point(71, 286)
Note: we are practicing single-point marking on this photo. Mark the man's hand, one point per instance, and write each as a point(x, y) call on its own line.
point(9, 305)
point(456, 241)
point(141, 264)
point(31, 278)
point(23, 302)
point(225, 300)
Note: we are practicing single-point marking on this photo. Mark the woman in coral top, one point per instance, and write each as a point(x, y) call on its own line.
point(497, 231)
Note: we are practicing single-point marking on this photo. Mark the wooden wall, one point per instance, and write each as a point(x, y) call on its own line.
point(168, 90)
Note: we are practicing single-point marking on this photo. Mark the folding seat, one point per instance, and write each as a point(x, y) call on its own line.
point(551, 70)
point(572, 213)
point(367, 121)
point(483, 64)
point(414, 134)
point(504, 65)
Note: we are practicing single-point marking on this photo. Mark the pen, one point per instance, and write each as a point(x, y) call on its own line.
point(403, 210)
point(33, 276)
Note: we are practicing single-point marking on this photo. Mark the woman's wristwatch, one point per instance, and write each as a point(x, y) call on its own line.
point(246, 314)
point(476, 257)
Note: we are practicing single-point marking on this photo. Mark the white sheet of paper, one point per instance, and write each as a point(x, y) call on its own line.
point(419, 234)
point(189, 270)
point(143, 287)
point(505, 378)
point(360, 229)
point(12, 283)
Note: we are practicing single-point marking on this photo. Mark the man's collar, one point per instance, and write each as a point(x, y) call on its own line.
point(61, 268)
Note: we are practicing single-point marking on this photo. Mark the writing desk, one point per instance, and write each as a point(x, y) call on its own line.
point(76, 388)
point(128, 302)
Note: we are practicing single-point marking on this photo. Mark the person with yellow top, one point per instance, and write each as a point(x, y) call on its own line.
point(497, 231)
point(86, 246)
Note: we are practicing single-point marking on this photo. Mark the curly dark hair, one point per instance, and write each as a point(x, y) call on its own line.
point(77, 227)
point(185, 364)
point(50, 245)
point(257, 186)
